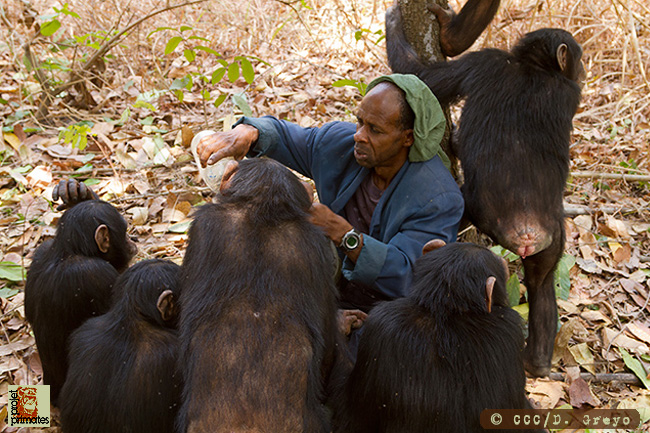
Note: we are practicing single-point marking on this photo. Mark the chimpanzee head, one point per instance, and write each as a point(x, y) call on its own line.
point(459, 278)
point(266, 187)
point(94, 228)
point(552, 50)
point(149, 290)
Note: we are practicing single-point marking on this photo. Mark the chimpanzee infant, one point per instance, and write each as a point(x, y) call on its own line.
point(122, 374)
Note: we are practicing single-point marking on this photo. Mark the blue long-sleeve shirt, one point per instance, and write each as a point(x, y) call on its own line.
point(422, 202)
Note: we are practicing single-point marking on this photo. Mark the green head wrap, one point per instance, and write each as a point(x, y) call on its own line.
point(429, 125)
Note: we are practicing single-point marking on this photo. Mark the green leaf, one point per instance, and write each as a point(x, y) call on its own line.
point(190, 55)
point(172, 44)
point(636, 367)
point(159, 29)
point(240, 101)
point(199, 38)
point(124, 117)
point(217, 75)
point(7, 293)
point(144, 104)
point(344, 82)
point(512, 287)
point(185, 28)
point(11, 271)
point(50, 27)
point(179, 95)
point(220, 99)
point(147, 121)
point(205, 93)
point(179, 83)
point(522, 309)
point(562, 276)
point(233, 72)
point(247, 70)
point(181, 227)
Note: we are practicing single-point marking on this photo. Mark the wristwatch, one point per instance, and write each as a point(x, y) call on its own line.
point(351, 241)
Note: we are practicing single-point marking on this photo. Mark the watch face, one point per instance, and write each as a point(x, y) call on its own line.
point(351, 241)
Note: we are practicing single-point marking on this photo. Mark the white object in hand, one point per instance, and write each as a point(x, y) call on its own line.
point(211, 174)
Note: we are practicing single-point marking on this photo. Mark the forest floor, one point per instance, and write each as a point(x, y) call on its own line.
point(122, 121)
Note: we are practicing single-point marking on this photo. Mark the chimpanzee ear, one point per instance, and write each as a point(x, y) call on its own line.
point(561, 55)
point(489, 288)
point(166, 305)
point(103, 238)
point(433, 244)
point(229, 171)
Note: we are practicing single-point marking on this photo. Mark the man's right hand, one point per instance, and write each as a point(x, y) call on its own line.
point(235, 143)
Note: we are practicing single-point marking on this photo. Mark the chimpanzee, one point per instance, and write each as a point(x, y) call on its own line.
point(258, 308)
point(434, 360)
point(513, 144)
point(122, 374)
point(71, 278)
point(459, 31)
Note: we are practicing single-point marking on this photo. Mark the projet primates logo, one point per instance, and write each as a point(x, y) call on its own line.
point(29, 406)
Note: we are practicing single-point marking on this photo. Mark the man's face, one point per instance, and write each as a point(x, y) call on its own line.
point(380, 141)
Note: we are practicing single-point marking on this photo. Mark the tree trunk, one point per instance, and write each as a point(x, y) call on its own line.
point(423, 33)
point(421, 28)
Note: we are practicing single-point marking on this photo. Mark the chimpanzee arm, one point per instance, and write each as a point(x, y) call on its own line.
point(458, 32)
point(449, 81)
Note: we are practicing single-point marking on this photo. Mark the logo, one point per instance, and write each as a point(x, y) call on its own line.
point(29, 406)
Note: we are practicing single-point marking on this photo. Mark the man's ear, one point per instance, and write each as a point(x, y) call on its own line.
point(103, 238)
point(166, 306)
point(489, 288)
point(409, 137)
point(228, 173)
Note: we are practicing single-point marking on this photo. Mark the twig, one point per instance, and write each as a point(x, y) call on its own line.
point(106, 46)
point(628, 378)
point(576, 209)
point(616, 176)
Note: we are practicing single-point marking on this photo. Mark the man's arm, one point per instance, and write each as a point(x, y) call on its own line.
point(388, 266)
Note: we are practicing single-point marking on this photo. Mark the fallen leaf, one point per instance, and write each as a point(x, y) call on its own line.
point(139, 215)
point(41, 176)
point(595, 316)
point(547, 393)
point(23, 343)
point(639, 330)
point(583, 356)
point(580, 394)
point(618, 339)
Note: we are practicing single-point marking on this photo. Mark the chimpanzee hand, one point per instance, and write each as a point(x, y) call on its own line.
point(219, 145)
point(71, 192)
point(350, 319)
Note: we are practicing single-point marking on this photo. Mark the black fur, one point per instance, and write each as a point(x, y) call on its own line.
point(513, 144)
point(431, 362)
point(122, 375)
point(258, 320)
point(70, 280)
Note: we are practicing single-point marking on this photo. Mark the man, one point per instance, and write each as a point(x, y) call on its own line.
point(383, 187)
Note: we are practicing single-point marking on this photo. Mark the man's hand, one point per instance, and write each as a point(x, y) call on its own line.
point(71, 192)
point(234, 143)
point(334, 226)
